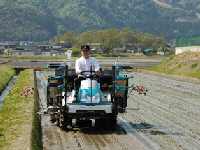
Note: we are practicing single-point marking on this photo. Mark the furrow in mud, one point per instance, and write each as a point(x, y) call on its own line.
point(156, 108)
point(167, 118)
point(80, 139)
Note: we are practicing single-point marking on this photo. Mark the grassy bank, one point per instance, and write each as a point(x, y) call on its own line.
point(19, 125)
point(6, 73)
point(186, 64)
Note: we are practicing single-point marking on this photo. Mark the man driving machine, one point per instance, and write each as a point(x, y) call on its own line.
point(84, 64)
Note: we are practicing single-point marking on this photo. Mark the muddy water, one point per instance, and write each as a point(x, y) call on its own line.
point(6, 90)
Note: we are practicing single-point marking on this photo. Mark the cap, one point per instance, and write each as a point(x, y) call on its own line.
point(84, 47)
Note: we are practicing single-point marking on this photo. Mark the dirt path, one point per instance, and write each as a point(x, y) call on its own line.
point(168, 118)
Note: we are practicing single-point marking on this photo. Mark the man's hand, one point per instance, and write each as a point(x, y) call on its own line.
point(97, 72)
point(79, 72)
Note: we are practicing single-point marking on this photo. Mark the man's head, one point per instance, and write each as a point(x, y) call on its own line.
point(85, 47)
point(85, 51)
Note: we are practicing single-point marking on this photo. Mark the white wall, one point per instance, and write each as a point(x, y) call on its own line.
point(27, 53)
point(46, 53)
point(179, 50)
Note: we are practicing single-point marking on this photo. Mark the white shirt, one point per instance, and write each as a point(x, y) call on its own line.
point(84, 64)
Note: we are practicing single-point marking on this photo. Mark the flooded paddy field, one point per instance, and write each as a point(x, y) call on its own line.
point(167, 118)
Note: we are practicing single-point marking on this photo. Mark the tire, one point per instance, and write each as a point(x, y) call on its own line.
point(100, 123)
point(63, 119)
point(113, 120)
point(52, 118)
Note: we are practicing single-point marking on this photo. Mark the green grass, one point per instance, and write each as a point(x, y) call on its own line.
point(18, 112)
point(6, 73)
point(194, 65)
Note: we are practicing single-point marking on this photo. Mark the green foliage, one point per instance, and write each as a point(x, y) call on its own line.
point(39, 20)
point(170, 58)
point(179, 65)
point(36, 124)
point(76, 52)
point(194, 74)
point(110, 55)
point(6, 73)
point(111, 38)
point(17, 110)
point(185, 4)
point(23, 22)
point(194, 65)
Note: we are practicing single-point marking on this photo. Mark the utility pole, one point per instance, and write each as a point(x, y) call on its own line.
point(8, 45)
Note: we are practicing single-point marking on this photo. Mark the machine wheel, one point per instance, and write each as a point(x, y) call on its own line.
point(84, 123)
point(52, 118)
point(49, 102)
point(59, 101)
point(63, 119)
point(102, 123)
point(99, 123)
point(113, 120)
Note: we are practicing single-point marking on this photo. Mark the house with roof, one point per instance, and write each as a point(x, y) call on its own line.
point(129, 48)
point(25, 50)
point(96, 48)
point(132, 48)
point(6, 45)
point(60, 48)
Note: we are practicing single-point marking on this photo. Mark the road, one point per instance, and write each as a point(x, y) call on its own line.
point(104, 62)
point(168, 117)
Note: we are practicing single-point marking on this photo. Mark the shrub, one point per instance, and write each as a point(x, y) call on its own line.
point(194, 65)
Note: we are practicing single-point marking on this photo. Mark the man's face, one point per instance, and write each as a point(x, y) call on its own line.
point(85, 53)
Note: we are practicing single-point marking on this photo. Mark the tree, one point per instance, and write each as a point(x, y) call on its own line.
point(127, 35)
point(109, 39)
point(57, 38)
point(86, 37)
point(69, 37)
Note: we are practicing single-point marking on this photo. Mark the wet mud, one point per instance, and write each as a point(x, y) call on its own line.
point(168, 117)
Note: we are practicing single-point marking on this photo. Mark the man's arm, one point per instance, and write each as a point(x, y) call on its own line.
point(97, 67)
point(77, 67)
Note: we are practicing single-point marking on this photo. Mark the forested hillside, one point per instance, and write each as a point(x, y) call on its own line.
point(23, 21)
point(43, 19)
point(190, 5)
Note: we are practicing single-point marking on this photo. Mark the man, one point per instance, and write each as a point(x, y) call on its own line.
point(84, 63)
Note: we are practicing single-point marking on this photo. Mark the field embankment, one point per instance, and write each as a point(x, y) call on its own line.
point(18, 120)
point(185, 64)
point(6, 73)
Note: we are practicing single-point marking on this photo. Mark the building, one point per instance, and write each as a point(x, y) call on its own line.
point(46, 53)
point(95, 48)
point(44, 47)
point(129, 48)
point(132, 48)
point(119, 50)
point(25, 50)
point(26, 43)
point(6, 45)
point(60, 48)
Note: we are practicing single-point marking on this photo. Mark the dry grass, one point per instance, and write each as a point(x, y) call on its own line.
point(186, 64)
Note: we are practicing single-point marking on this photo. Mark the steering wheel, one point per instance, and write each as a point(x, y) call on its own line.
point(89, 76)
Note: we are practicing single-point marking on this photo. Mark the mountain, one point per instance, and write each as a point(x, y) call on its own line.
point(43, 19)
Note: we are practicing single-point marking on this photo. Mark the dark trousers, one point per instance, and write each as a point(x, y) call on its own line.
point(77, 82)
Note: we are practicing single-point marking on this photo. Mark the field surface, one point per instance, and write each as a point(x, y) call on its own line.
point(167, 118)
